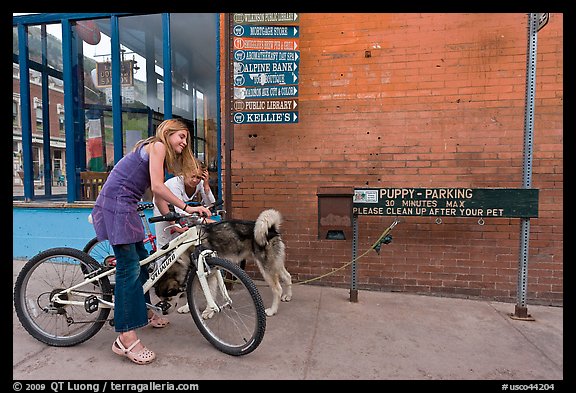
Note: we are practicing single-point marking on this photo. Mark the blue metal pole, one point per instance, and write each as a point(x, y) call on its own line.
point(69, 111)
point(46, 116)
point(116, 91)
point(25, 112)
point(167, 65)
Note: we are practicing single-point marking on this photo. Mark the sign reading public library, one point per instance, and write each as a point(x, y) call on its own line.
point(454, 202)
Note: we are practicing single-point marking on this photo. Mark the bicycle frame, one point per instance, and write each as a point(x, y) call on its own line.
point(174, 249)
point(150, 237)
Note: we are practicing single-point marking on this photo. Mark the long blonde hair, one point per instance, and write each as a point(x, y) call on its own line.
point(177, 164)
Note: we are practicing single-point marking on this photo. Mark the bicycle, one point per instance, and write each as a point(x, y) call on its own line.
point(102, 250)
point(60, 305)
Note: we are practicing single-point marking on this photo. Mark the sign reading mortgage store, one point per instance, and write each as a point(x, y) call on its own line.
point(266, 67)
point(454, 202)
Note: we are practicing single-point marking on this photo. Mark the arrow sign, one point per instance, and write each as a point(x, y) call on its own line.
point(251, 56)
point(265, 117)
point(265, 44)
point(266, 31)
point(265, 105)
point(265, 67)
point(265, 79)
point(241, 93)
point(267, 18)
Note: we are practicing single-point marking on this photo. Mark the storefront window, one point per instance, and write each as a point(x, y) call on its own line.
point(194, 56)
point(194, 76)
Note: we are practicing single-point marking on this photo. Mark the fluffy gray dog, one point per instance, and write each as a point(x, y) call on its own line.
point(236, 240)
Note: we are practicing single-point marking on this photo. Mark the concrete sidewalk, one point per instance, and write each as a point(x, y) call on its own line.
point(321, 335)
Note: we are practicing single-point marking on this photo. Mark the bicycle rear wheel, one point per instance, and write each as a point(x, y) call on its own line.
point(50, 322)
point(238, 327)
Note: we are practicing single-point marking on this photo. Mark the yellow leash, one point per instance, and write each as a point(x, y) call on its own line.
point(375, 246)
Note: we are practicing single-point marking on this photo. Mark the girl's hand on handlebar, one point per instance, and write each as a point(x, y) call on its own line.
point(201, 210)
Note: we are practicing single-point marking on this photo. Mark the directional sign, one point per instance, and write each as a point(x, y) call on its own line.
point(252, 56)
point(265, 44)
point(265, 117)
point(265, 79)
point(265, 105)
point(280, 66)
point(266, 31)
point(265, 18)
point(241, 93)
point(265, 48)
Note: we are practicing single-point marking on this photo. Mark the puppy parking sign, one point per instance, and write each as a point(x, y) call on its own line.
point(439, 202)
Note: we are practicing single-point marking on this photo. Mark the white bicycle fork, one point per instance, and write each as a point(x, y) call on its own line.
point(202, 274)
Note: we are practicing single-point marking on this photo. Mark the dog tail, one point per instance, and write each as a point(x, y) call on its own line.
point(267, 226)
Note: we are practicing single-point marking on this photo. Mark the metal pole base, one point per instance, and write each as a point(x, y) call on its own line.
point(354, 296)
point(521, 313)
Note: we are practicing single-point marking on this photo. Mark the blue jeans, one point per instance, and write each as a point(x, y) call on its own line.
point(129, 300)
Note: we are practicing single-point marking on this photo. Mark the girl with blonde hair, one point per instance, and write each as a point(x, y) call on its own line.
point(116, 219)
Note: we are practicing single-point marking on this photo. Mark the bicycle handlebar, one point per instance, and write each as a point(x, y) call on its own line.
point(210, 206)
point(170, 216)
point(173, 216)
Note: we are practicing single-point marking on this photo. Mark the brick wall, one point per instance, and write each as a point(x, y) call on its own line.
point(415, 100)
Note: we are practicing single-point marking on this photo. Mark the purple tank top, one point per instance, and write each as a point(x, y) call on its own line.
point(114, 215)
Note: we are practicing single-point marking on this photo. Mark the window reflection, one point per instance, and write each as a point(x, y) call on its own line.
point(194, 95)
point(194, 52)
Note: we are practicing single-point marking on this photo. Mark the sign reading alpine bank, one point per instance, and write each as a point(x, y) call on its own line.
point(266, 68)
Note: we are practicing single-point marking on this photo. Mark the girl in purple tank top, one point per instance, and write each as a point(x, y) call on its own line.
point(116, 219)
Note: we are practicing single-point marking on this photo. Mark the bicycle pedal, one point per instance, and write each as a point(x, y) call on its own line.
point(164, 306)
point(91, 304)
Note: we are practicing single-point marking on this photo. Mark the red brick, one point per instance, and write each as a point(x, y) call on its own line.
point(440, 103)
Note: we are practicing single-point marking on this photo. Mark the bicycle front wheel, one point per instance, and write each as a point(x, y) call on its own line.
point(51, 322)
point(238, 326)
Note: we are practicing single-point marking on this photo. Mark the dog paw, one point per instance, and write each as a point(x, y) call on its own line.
point(270, 312)
point(286, 298)
point(207, 313)
point(184, 309)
